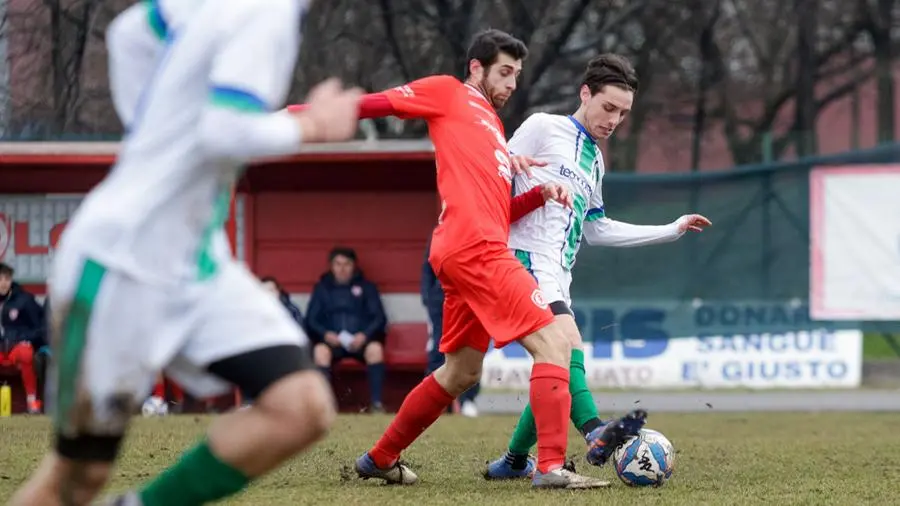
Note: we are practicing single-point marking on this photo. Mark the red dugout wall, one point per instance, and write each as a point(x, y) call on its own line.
point(287, 215)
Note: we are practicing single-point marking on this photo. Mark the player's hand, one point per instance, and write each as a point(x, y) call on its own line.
point(693, 223)
point(330, 114)
point(521, 164)
point(359, 339)
point(332, 339)
point(557, 192)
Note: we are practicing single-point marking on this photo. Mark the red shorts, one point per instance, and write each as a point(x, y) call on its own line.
point(488, 294)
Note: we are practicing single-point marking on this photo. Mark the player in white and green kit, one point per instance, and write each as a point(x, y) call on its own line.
point(547, 240)
point(143, 280)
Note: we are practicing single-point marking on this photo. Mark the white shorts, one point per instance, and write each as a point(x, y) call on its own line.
point(113, 335)
point(552, 278)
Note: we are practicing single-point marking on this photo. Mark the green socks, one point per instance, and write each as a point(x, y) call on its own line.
point(525, 435)
point(583, 414)
point(199, 477)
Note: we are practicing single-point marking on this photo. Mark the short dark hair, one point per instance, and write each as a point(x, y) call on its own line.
point(610, 69)
point(342, 251)
point(6, 270)
point(486, 46)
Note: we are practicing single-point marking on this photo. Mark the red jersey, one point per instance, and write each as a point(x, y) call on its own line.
point(473, 171)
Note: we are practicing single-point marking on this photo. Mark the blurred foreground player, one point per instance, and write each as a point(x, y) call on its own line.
point(488, 293)
point(547, 240)
point(147, 247)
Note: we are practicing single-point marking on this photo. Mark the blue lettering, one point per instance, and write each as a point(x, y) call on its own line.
point(778, 342)
point(603, 323)
point(689, 371)
point(705, 343)
point(730, 315)
point(803, 341)
point(837, 370)
point(731, 371)
point(705, 316)
point(792, 370)
point(775, 370)
point(770, 372)
point(814, 368)
point(753, 341)
point(755, 316)
point(645, 327)
point(580, 319)
point(779, 316)
point(728, 343)
point(826, 341)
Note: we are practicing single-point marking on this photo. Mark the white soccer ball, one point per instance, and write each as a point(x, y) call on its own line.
point(154, 406)
point(645, 460)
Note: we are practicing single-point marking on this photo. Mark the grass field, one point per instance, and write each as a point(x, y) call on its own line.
point(804, 458)
point(875, 346)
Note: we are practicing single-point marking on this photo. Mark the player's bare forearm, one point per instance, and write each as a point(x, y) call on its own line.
point(373, 105)
point(525, 203)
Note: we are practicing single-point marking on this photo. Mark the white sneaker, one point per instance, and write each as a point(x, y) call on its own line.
point(469, 409)
point(563, 478)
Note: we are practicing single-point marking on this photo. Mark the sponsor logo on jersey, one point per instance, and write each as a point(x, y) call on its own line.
point(576, 178)
point(537, 296)
point(405, 90)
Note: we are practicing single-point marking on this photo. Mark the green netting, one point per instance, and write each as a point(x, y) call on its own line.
point(758, 248)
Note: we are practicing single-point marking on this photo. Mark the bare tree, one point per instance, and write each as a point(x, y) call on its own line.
point(761, 68)
point(805, 107)
point(58, 82)
point(879, 17)
point(647, 39)
point(710, 74)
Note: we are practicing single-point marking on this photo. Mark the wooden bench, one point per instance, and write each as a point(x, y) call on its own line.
point(405, 360)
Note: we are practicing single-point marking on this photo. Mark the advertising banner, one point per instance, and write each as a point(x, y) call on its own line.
point(855, 243)
point(670, 345)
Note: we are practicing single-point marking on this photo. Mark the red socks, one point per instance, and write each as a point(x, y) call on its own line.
point(29, 378)
point(23, 357)
point(550, 403)
point(421, 408)
point(159, 389)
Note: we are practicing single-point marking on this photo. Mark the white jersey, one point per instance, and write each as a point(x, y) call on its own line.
point(160, 213)
point(136, 40)
point(547, 240)
point(573, 160)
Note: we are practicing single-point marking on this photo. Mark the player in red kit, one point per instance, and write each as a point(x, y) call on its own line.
point(488, 293)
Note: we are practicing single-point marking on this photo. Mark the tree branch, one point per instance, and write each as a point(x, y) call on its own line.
point(388, 20)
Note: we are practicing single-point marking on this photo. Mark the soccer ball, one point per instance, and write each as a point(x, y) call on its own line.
point(645, 460)
point(154, 406)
